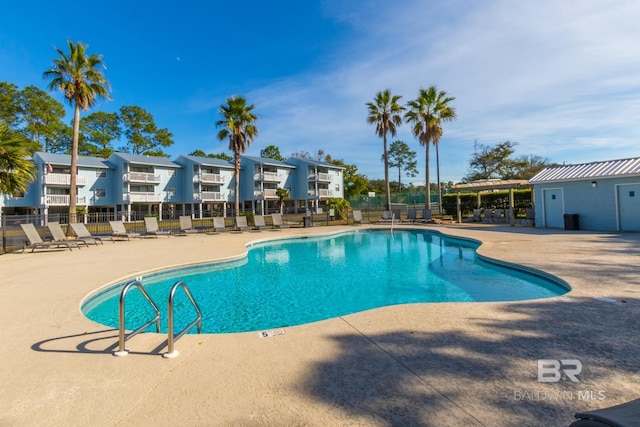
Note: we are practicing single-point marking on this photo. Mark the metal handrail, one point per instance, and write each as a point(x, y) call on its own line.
point(122, 351)
point(171, 338)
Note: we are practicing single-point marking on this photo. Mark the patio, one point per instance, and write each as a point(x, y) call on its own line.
point(445, 364)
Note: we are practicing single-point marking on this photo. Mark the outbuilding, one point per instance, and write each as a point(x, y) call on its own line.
point(598, 196)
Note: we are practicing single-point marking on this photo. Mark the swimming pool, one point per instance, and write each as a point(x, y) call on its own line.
point(301, 280)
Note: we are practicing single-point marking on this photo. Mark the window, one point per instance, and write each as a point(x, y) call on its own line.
point(101, 192)
point(101, 174)
point(337, 187)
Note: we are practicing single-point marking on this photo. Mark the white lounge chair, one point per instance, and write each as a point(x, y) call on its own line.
point(277, 221)
point(82, 233)
point(357, 217)
point(152, 228)
point(58, 235)
point(118, 230)
point(258, 222)
point(241, 223)
point(186, 226)
point(36, 242)
point(218, 224)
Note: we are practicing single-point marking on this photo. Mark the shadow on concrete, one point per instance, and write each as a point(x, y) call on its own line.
point(488, 377)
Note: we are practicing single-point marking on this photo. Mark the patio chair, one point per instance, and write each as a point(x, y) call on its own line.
point(241, 223)
point(623, 415)
point(118, 230)
point(59, 235)
point(277, 221)
point(386, 216)
point(488, 215)
point(186, 226)
point(411, 216)
point(218, 224)
point(357, 218)
point(476, 215)
point(497, 216)
point(152, 228)
point(258, 222)
point(36, 242)
point(396, 214)
point(82, 233)
point(426, 216)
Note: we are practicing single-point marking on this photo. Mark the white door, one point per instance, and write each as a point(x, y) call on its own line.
point(629, 207)
point(553, 208)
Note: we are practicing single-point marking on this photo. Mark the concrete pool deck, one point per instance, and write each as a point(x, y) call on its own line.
point(445, 364)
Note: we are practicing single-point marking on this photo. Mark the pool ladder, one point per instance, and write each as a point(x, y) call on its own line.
point(171, 337)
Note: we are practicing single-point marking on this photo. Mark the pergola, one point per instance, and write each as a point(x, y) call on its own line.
point(489, 185)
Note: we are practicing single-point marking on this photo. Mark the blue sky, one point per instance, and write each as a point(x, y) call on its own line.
point(562, 79)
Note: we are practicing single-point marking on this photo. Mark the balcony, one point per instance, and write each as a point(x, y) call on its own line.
point(141, 197)
point(207, 196)
point(320, 177)
point(63, 179)
point(209, 178)
point(62, 200)
point(268, 177)
point(320, 193)
point(143, 177)
point(266, 194)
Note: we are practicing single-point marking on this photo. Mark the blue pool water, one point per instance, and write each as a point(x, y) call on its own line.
point(302, 280)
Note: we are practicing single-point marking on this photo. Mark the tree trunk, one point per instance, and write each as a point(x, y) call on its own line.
point(386, 172)
point(73, 191)
point(427, 202)
point(438, 176)
point(237, 179)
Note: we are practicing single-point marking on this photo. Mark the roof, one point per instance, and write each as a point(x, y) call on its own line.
point(492, 184)
point(208, 161)
point(146, 160)
point(65, 159)
point(315, 162)
point(604, 169)
point(269, 162)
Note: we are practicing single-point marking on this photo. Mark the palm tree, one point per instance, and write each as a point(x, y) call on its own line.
point(385, 112)
point(16, 168)
point(427, 113)
point(282, 194)
point(79, 77)
point(238, 124)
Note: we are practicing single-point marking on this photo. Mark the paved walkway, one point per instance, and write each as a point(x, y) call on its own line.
point(447, 364)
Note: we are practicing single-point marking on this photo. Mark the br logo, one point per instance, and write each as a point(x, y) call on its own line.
point(552, 370)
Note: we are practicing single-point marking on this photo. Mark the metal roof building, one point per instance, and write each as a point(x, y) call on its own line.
point(599, 196)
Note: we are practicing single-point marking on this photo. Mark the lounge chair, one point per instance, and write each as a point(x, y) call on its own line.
point(58, 235)
point(386, 216)
point(218, 224)
point(186, 226)
point(118, 230)
point(623, 415)
point(241, 223)
point(497, 216)
point(488, 215)
point(36, 242)
point(411, 216)
point(396, 214)
point(476, 215)
point(258, 222)
point(82, 233)
point(357, 217)
point(426, 215)
point(277, 221)
point(152, 228)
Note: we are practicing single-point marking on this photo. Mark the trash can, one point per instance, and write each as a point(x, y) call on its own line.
point(306, 221)
point(571, 222)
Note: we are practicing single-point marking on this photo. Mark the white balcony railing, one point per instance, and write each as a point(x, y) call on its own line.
point(266, 194)
point(135, 196)
point(62, 200)
point(320, 193)
point(63, 179)
point(209, 178)
point(145, 177)
point(208, 196)
point(268, 177)
point(322, 177)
